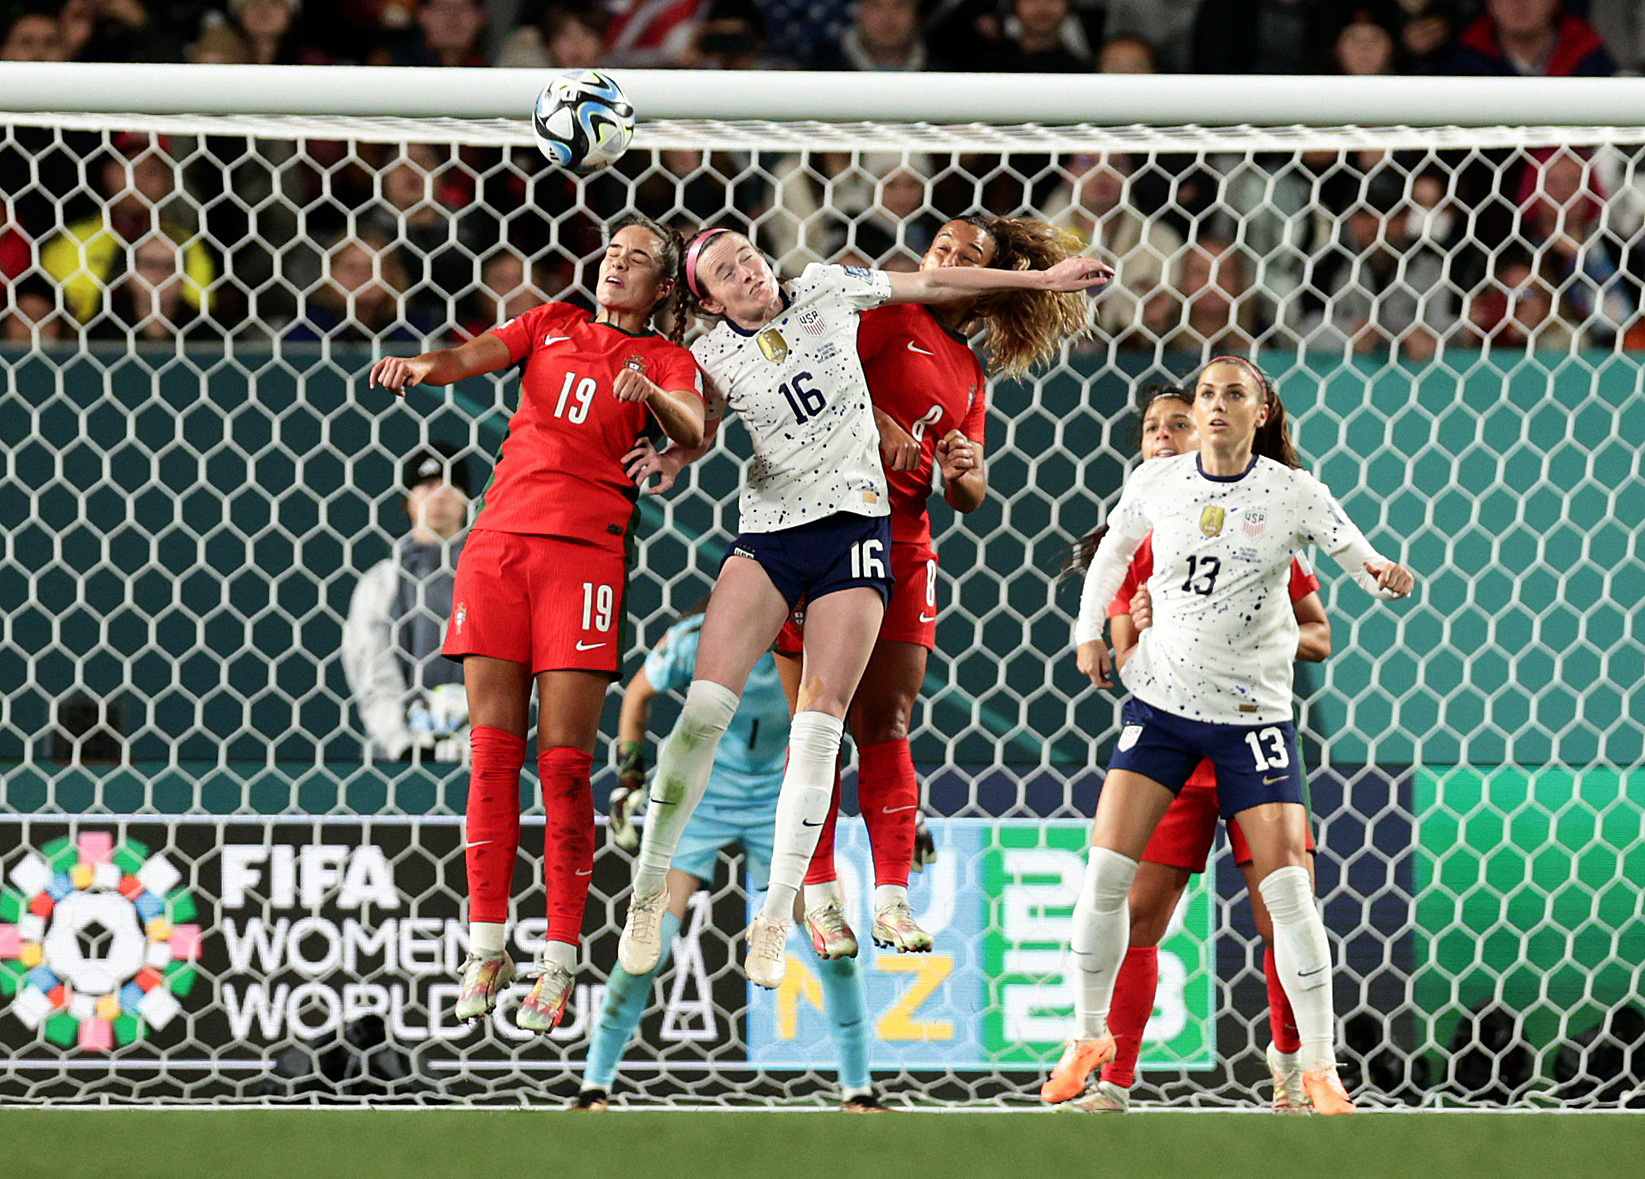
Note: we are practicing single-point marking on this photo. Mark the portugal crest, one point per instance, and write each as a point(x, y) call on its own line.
point(1210, 521)
point(773, 346)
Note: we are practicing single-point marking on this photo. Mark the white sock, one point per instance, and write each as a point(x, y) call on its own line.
point(558, 954)
point(487, 938)
point(683, 766)
point(1302, 955)
point(1102, 934)
point(802, 807)
point(889, 894)
point(829, 892)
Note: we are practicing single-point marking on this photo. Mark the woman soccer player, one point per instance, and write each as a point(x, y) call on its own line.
point(1211, 678)
point(736, 811)
point(813, 518)
point(539, 587)
point(930, 397)
point(1180, 844)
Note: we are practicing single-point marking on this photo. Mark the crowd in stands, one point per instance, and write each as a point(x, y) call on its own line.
point(143, 237)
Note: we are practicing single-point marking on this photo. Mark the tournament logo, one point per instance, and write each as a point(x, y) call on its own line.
point(1210, 521)
point(97, 942)
point(773, 346)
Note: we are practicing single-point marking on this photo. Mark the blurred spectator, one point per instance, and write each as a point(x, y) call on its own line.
point(651, 33)
point(1094, 202)
point(359, 298)
point(269, 28)
point(1516, 310)
point(567, 37)
point(445, 33)
point(1621, 26)
point(138, 186)
point(1041, 37)
point(26, 302)
point(884, 35)
point(115, 30)
point(1363, 48)
point(409, 696)
point(1209, 312)
point(885, 222)
point(1531, 38)
point(220, 45)
point(1425, 29)
point(145, 303)
point(32, 36)
point(1563, 219)
point(1260, 37)
point(731, 36)
point(507, 289)
point(1165, 26)
point(436, 244)
point(1126, 55)
point(1375, 286)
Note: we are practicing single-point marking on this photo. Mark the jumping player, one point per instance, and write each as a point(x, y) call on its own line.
point(813, 517)
point(540, 586)
point(1211, 678)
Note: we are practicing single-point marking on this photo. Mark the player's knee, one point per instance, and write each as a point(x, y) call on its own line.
point(707, 712)
point(1148, 925)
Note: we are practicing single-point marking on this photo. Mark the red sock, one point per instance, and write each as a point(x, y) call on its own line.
point(568, 839)
point(890, 798)
point(1282, 1021)
point(822, 870)
point(1129, 1011)
point(491, 833)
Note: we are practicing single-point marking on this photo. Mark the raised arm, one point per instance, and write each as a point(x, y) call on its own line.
point(950, 283)
point(1327, 525)
point(485, 353)
point(678, 411)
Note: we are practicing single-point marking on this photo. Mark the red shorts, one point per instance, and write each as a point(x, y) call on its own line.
point(910, 615)
point(549, 603)
point(1183, 837)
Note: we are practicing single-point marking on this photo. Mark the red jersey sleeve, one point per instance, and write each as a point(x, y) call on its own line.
point(975, 425)
point(677, 369)
point(1142, 568)
point(521, 332)
point(1303, 581)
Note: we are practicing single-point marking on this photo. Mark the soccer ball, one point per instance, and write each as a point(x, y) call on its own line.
point(582, 120)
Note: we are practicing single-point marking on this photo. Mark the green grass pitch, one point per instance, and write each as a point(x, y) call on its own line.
point(481, 1144)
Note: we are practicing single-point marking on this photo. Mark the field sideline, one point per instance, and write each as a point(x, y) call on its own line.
point(478, 1144)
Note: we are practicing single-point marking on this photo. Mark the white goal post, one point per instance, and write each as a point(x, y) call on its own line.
point(209, 891)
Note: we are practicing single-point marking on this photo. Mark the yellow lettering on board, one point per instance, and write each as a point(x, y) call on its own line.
point(929, 972)
point(799, 985)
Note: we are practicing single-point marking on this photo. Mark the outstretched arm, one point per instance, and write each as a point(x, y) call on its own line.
point(485, 353)
point(951, 283)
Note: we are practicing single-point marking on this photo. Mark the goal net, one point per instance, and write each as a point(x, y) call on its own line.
point(213, 888)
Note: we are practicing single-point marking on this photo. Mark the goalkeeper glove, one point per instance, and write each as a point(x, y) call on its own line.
point(627, 794)
point(925, 848)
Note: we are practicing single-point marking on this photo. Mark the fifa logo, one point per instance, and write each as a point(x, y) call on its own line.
point(773, 346)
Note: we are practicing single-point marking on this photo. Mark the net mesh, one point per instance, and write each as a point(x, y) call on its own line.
point(211, 888)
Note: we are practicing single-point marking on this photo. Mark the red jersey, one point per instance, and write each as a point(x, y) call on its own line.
point(928, 381)
point(561, 471)
point(1303, 581)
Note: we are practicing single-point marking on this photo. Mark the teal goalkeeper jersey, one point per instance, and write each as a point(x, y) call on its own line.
point(748, 768)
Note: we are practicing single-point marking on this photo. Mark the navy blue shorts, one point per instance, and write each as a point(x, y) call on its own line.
point(838, 552)
point(1255, 763)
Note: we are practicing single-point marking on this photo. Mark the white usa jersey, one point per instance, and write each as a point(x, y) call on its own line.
point(1224, 634)
point(798, 386)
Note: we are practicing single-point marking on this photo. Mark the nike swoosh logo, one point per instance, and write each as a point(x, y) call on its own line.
point(928, 618)
point(550, 341)
point(583, 872)
point(893, 810)
point(1308, 973)
point(582, 646)
point(913, 347)
point(809, 823)
point(1271, 781)
point(478, 843)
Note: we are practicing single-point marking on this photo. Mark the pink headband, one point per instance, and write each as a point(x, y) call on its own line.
point(695, 252)
point(1262, 381)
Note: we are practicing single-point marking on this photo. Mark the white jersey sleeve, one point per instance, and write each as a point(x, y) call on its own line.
point(797, 385)
point(1324, 523)
point(370, 665)
point(1128, 524)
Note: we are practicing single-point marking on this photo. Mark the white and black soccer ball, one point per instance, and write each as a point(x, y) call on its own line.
point(582, 120)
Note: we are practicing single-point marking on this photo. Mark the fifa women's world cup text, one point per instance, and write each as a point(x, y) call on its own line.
point(814, 526)
point(539, 591)
point(1211, 679)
